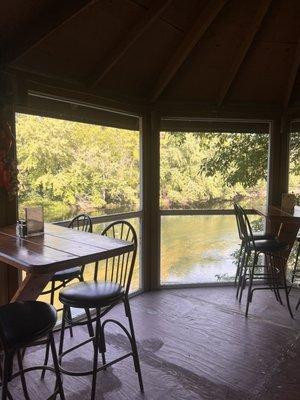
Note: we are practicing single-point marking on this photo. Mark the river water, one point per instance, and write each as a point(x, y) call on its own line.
point(198, 249)
point(194, 249)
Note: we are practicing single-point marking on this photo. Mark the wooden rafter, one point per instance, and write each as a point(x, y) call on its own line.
point(43, 29)
point(244, 48)
point(192, 37)
point(138, 29)
point(292, 76)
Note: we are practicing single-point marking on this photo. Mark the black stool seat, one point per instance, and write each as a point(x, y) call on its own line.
point(70, 273)
point(263, 236)
point(269, 246)
point(91, 294)
point(24, 322)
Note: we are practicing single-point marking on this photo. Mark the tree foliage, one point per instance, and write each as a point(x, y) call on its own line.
point(192, 172)
point(73, 166)
point(79, 165)
point(240, 158)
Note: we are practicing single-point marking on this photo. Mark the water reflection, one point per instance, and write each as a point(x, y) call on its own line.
point(198, 249)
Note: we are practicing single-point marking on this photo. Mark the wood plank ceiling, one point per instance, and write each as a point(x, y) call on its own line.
point(213, 51)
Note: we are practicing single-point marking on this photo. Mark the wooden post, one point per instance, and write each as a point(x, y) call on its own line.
point(279, 160)
point(285, 129)
point(150, 132)
point(9, 277)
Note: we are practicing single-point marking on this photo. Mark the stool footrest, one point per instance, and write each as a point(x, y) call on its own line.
point(91, 372)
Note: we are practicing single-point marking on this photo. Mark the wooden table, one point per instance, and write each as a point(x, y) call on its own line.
point(286, 226)
point(57, 249)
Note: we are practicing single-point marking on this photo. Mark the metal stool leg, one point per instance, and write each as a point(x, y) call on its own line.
point(22, 375)
point(70, 320)
point(251, 275)
point(237, 274)
point(56, 367)
point(101, 343)
point(69, 314)
point(6, 372)
point(48, 344)
point(243, 278)
point(282, 270)
point(133, 344)
point(243, 263)
point(276, 279)
point(62, 332)
point(96, 348)
point(89, 322)
point(295, 267)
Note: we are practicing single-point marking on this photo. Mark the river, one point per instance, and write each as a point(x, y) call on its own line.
point(194, 249)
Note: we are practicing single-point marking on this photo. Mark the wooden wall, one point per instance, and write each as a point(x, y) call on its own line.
point(9, 277)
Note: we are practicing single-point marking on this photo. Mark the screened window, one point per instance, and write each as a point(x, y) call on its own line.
point(208, 172)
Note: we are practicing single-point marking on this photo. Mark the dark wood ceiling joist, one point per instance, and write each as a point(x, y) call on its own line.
point(200, 26)
point(144, 23)
point(244, 48)
point(292, 76)
point(42, 29)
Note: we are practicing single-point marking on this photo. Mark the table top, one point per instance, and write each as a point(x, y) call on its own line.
point(276, 213)
point(57, 249)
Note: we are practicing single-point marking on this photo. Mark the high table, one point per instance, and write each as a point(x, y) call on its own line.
point(57, 249)
point(282, 224)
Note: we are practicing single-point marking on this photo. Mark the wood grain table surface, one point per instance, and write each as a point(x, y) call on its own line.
point(57, 249)
point(282, 224)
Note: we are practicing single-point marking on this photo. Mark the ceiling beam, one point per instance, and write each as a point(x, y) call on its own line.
point(144, 22)
point(292, 76)
point(42, 28)
point(192, 37)
point(252, 30)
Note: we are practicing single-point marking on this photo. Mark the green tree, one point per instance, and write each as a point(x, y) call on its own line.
point(243, 157)
point(77, 165)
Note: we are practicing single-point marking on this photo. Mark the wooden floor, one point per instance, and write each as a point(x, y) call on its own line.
point(193, 344)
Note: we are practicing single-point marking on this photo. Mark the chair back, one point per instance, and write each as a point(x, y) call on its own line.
point(238, 218)
point(245, 226)
point(119, 269)
point(81, 222)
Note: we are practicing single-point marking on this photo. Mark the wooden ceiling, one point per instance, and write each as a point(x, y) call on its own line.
point(215, 52)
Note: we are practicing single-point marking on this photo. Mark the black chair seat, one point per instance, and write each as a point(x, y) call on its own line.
point(22, 323)
point(269, 246)
point(91, 294)
point(263, 236)
point(70, 273)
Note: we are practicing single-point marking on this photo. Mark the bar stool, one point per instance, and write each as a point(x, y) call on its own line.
point(103, 296)
point(81, 222)
point(241, 255)
point(60, 279)
point(274, 270)
point(23, 324)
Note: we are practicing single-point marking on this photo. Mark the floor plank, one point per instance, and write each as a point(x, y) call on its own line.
point(193, 344)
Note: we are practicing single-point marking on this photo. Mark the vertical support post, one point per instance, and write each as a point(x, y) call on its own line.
point(285, 128)
point(279, 160)
point(9, 277)
point(150, 132)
